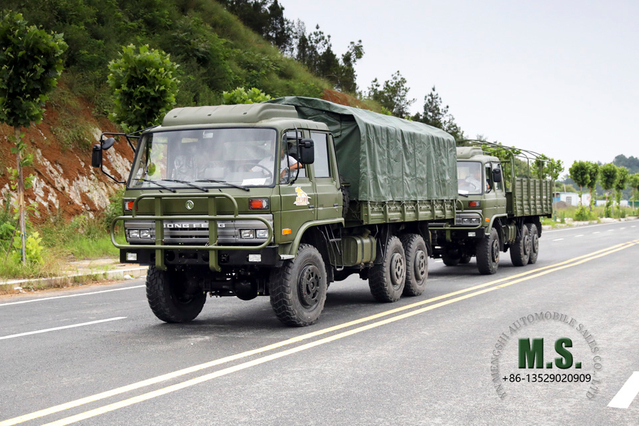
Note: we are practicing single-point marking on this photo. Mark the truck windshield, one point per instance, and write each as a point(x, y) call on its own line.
point(210, 157)
point(469, 177)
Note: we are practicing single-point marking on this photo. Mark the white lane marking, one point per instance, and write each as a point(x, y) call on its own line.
point(610, 230)
point(558, 239)
point(627, 393)
point(577, 236)
point(438, 260)
point(12, 336)
point(575, 228)
point(70, 295)
point(621, 229)
point(632, 226)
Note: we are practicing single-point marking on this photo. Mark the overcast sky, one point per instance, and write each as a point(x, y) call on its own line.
point(557, 77)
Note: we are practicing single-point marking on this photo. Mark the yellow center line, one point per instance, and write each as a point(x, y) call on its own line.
point(196, 368)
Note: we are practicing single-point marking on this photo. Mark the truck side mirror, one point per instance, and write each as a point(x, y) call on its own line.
point(307, 151)
point(96, 158)
point(496, 175)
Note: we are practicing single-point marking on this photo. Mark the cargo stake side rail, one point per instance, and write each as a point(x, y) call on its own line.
point(212, 219)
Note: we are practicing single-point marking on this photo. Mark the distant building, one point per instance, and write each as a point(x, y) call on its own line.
point(571, 198)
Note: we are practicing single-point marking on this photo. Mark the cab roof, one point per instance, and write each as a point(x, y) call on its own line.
point(473, 153)
point(283, 116)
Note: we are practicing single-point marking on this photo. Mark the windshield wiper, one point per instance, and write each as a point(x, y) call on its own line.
point(158, 184)
point(223, 182)
point(192, 185)
point(463, 195)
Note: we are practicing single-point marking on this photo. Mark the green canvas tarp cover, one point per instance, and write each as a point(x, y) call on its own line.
point(385, 158)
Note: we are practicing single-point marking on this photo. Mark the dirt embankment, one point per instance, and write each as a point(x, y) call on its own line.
point(64, 181)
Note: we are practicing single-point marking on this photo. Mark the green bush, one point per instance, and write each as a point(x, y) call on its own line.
point(242, 96)
point(582, 214)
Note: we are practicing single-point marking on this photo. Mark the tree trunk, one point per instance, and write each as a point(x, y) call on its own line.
point(23, 227)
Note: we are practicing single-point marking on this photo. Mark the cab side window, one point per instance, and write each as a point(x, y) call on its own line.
point(321, 164)
point(489, 185)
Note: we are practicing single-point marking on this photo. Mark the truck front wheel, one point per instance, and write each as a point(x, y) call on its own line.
point(534, 243)
point(387, 279)
point(520, 250)
point(416, 264)
point(298, 289)
point(172, 299)
point(488, 253)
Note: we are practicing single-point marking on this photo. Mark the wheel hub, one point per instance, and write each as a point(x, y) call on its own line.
point(420, 265)
point(309, 286)
point(398, 269)
point(495, 251)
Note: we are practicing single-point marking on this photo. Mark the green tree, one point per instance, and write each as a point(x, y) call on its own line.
point(633, 181)
point(143, 86)
point(242, 96)
point(593, 172)
point(265, 17)
point(436, 114)
point(30, 65)
point(315, 51)
point(620, 185)
point(546, 167)
point(579, 172)
point(393, 95)
point(609, 173)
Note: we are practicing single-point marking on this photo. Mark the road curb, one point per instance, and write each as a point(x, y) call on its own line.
point(113, 274)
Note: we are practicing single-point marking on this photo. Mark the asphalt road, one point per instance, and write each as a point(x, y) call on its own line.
point(98, 356)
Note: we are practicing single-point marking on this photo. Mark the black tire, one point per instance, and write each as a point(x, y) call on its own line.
point(450, 259)
point(534, 243)
point(520, 250)
point(170, 298)
point(488, 253)
point(298, 289)
point(464, 259)
point(416, 264)
point(386, 279)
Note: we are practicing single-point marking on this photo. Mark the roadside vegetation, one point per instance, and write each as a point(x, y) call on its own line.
point(52, 245)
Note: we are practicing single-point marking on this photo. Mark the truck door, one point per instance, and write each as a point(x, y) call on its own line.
point(490, 197)
point(325, 178)
point(495, 197)
point(298, 198)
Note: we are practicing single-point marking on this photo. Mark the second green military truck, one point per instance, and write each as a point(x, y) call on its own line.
point(281, 199)
point(499, 212)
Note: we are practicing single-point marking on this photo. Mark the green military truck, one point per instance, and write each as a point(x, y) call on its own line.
point(281, 199)
point(499, 212)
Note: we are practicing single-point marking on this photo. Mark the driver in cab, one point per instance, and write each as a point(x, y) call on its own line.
point(287, 164)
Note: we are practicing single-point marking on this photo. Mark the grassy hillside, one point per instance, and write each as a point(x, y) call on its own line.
point(214, 50)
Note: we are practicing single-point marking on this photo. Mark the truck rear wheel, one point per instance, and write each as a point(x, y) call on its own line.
point(298, 289)
point(387, 279)
point(464, 259)
point(488, 253)
point(534, 243)
point(416, 264)
point(171, 299)
point(520, 250)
